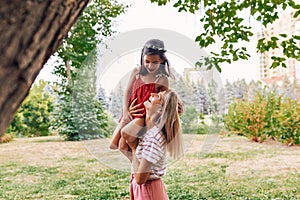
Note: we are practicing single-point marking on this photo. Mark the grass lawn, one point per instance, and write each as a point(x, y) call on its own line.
point(214, 167)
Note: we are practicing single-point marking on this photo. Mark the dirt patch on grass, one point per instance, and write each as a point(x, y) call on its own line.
point(243, 157)
point(239, 155)
point(43, 151)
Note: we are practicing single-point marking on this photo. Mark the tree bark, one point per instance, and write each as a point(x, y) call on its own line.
point(30, 32)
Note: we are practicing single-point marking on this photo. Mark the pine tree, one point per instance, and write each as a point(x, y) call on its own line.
point(212, 101)
point(200, 97)
point(229, 93)
point(285, 89)
point(116, 102)
point(183, 89)
point(253, 89)
point(79, 115)
point(101, 96)
point(91, 121)
point(296, 89)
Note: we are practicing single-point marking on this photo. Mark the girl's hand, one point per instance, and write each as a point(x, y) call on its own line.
point(134, 110)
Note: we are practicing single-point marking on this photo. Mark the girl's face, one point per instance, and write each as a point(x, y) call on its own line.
point(152, 63)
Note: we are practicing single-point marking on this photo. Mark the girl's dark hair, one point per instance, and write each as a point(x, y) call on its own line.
point(156, 47)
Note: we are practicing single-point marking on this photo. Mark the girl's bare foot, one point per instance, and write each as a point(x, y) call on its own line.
point(113, 146)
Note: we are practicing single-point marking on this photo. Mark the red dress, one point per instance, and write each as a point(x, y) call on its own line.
point(142, 91)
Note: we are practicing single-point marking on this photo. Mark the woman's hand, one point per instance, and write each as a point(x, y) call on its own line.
point(134, 110)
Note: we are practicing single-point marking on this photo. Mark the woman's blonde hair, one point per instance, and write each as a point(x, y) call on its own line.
point(170, 125)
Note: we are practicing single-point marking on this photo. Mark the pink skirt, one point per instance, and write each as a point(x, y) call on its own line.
point(151, 190)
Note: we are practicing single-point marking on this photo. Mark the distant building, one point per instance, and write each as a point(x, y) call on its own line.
point(286, 24)
point(193, 75)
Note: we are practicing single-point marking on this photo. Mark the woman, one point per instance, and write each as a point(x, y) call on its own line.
point(149, 156)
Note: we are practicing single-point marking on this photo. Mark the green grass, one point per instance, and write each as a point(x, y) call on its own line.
point(211, 182)
point(192, 178)
point(30, 182)
point(229, 155)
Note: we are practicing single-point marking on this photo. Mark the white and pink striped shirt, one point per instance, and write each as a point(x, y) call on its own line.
point(152, 147)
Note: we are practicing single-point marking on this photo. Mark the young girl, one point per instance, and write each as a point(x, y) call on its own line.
point(150, 77)
point(149, 155)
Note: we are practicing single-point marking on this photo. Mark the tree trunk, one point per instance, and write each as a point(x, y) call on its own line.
point(30, 32)
point(68, 69)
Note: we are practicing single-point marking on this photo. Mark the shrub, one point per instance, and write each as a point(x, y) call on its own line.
point(267, 116)
point(189, 120)
point(288, 123)
point(193, 121)
point(17, 127)
point(6, 138)
point(33, 116)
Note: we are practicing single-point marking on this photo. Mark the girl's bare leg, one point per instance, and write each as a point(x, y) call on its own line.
point(114, 143)
point(130, 132)
point(124, 148)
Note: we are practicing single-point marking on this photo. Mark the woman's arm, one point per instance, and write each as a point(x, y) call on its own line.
point(141, 169)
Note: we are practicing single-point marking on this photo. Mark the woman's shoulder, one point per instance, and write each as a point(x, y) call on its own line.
point(154, 134)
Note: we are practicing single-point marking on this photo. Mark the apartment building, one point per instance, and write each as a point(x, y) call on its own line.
point(289, 25)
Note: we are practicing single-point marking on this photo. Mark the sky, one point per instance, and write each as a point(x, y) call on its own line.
point(144, 14)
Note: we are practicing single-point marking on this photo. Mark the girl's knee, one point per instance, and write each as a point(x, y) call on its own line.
point(124, 135)
point(124, 147)
point(129, 138)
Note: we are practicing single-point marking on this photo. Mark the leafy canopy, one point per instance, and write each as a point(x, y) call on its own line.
point(94, 24)
point(78, 114)
point(33, 118)
point(222, 21)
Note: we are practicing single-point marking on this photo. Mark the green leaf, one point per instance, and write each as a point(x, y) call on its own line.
point(283, 65)
point(274, 65)
point(221, 19)
point(273, 38)
point(199, 64)
point(218, 68)
point(283, 35)
point(198, 38)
